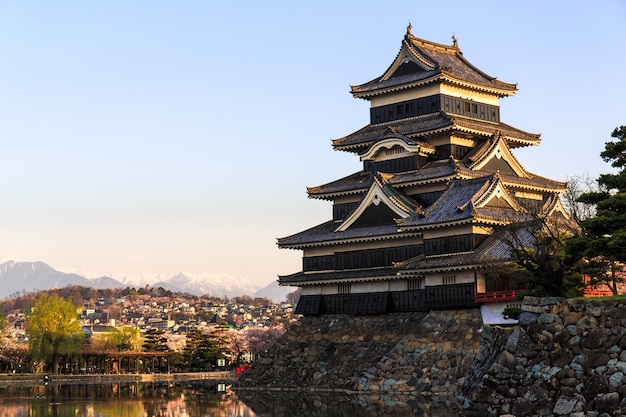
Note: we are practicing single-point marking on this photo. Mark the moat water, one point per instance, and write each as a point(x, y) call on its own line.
point(193, 399)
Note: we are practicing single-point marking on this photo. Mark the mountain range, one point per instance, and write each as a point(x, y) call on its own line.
point(18, 277)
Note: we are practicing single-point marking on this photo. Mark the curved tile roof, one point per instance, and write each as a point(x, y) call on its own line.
point(434, 61)
point(430, 123)
point(495, 248)
point(324, 234)
point(374, 132)
point(308, 278)
point(452, 206)
point(358, 182)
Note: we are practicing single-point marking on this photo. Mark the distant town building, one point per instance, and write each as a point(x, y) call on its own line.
point(413, 229)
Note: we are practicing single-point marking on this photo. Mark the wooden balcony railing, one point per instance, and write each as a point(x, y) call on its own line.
point(493, 296)
point(596, 292)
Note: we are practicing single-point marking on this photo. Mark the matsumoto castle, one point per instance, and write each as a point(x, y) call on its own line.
point(414, 229)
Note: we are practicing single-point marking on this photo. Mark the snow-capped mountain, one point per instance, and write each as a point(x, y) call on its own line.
point(204, 283)
point(17, 277)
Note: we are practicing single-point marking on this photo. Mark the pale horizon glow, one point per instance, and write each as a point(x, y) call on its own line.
point(158, 137)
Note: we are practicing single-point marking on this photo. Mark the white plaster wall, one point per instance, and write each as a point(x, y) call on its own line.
point(398, 285)
point(366, 287)
point(312, 290)
point(462, 277)
point(435, 88)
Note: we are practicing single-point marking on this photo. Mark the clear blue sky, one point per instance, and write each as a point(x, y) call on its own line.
point(160, 136)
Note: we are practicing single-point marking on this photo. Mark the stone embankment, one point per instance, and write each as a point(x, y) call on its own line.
point(565, 358)
point(402, 355)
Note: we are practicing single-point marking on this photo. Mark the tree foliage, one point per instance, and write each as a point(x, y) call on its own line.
point(53, 329)
point(536, 241)
point(203, 349)
point(260, 339)
point(601, 247)
point(3, 317)
point(155, 341)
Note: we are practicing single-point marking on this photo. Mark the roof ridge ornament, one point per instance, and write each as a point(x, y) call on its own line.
point(408, 28)
point(455, 43)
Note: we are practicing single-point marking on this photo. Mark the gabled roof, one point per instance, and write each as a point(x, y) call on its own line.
point(533, 182)
point(392, 138)
point(381, 192)
point(436, 171)
point(466, 201)
point(429, 124)
point(494, 150)
point(442, 170)
point(421, 62)
point(360, 140)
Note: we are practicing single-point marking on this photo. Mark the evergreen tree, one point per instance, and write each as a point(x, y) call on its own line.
point(155, 341)
point(202, 350)
point(601, 247)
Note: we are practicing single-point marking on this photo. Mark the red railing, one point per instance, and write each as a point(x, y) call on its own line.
point(594, 292)
point(493, 296)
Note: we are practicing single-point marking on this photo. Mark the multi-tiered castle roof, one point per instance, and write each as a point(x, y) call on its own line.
point(438, 178)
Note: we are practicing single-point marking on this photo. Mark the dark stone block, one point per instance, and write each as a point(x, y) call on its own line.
point(543, 407)
point(412, 382)
point(527, 318)
point(508, 360)
point(562, 337)
point(595, 384)
point(577, 305)
point(595, 338)
point(568, 391)
point(560, 359)
point(535, 329)
point(535, 393)
point(596, 359)
point(482, 394)
point(569, 382)
point(522, 408)
point(608, 402)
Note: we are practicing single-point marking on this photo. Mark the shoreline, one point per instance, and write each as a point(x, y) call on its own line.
point(97, 378)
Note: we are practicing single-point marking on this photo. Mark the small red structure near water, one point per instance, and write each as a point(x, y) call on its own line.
point(242, 368)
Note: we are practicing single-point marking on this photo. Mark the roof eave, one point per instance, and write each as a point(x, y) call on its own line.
point(306, 245)
point(367, 95)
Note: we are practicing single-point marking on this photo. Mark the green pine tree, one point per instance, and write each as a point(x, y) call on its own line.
point(601, 247)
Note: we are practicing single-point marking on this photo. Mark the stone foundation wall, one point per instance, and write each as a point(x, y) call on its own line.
point(401, 355)
point(565, 358)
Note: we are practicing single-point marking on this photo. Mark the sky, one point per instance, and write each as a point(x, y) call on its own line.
point(159, 136)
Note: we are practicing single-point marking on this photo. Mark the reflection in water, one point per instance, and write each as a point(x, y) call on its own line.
point(158, 399)
point(192, 399)
point(307, 404)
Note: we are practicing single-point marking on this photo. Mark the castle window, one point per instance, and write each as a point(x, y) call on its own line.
point(474, 108)
point(449, 279)
point(344, 288)
point(415, 284)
